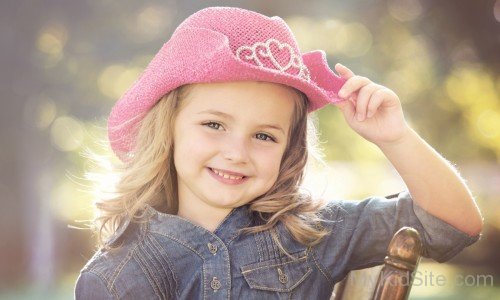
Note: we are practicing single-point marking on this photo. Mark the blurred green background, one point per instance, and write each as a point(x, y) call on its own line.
point(65, 63)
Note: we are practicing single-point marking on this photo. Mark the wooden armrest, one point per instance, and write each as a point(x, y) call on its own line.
point(403, 256)
point(394, 277)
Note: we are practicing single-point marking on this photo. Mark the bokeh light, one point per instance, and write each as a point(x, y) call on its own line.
point(474, 90)
point(150, 23)
point(66, 133)
point(303, 26)
point(488, 123)
point(405, 10)
point(51, 41)
point(68, 206)
point(349, 39)
point(353, 39)
point(46, 114)
point(496, 10)
point(115, 79)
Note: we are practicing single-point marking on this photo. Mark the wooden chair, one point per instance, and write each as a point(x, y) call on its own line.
point(395, 276)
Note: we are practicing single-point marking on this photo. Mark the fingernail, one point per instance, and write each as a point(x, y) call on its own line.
point(359, 117)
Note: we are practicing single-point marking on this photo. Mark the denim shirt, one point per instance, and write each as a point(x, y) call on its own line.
point(168, 257)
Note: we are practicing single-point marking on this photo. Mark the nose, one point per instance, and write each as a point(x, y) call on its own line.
point(235, 149)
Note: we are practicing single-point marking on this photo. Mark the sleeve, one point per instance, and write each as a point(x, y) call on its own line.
point(360, 232)
point(91, 286)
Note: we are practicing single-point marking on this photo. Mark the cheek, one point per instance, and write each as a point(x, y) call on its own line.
point(270, 162)
point(182, 150)
point(186, 138)
point(191, 147)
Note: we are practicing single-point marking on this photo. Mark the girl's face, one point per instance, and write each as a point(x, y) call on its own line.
point(229, 139)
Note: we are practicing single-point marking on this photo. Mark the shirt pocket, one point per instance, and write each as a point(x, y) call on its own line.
point(278, 275)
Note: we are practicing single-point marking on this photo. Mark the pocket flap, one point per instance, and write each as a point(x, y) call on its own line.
point(277, 275)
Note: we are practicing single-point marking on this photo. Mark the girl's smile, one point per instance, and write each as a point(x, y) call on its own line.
point(229, 140)
point(227, 177)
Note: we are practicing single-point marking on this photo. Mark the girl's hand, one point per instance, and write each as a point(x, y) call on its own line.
point(370, 109)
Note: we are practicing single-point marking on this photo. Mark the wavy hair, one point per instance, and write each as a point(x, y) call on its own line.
point(150, 178)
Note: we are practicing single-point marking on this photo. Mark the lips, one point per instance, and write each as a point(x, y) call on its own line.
point(228, 174)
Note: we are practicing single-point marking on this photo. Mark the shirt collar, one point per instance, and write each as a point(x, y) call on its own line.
point(188, 232)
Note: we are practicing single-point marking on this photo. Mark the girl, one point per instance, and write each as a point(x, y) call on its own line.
point(213, 139)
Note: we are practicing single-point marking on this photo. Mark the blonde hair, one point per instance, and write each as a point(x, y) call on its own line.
point(149, 177)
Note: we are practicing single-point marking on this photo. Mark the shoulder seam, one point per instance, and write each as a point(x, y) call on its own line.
point(120, 267)
point(106, 283)
point(320, 266)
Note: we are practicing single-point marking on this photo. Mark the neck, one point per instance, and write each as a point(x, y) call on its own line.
point(203, 215)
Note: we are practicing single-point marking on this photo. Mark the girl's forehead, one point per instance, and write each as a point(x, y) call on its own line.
point(257, 101)
point(241, 93)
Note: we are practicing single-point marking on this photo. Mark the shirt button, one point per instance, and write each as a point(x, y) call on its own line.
point(282, 276)
point(215, 284)
point(212, 248)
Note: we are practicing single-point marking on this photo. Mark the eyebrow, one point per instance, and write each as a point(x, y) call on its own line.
point(224, 115)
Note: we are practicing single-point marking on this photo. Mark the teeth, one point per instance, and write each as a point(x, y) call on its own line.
point(226, 175)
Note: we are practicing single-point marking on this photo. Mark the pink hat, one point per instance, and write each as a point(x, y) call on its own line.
point(222, 44)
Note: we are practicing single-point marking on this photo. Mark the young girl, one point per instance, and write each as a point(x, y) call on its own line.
point(213, 140)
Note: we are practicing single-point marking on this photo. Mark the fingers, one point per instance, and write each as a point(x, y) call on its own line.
point(363, 96)
point(375, 101)
point(343, 71)
point(363, 100)
point(352, 85)
point(347, 108)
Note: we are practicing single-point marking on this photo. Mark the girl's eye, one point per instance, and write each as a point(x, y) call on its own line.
point(265, 137)
point(213, 125)
point(259, 136)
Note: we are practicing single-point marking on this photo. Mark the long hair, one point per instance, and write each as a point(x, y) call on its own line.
point(150, 178)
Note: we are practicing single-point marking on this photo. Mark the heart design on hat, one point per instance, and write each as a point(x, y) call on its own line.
point(277, 50)
point(281, 55)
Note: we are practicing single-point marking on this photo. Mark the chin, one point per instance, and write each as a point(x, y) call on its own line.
point(229, 203)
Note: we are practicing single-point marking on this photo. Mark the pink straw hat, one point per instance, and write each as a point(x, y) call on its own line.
point(222, 44)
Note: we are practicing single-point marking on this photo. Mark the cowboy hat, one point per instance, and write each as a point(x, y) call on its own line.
point(219, 44)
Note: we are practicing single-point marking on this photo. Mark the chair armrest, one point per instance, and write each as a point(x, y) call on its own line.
point(403, 256)
point(395, 276)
